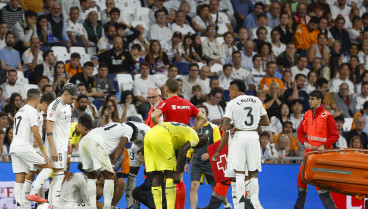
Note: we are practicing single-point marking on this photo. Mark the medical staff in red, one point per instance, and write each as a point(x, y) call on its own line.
point(317, 131)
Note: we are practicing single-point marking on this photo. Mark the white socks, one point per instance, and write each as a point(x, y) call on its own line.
point(129, 188)
point(108, 191)
point(240, 190)
point(27, 186)
point(91, 187)
point(247, 186)
point(41, 180)
point(56, 189)
point(254, 193)
point(18, 187)
point(233, 194)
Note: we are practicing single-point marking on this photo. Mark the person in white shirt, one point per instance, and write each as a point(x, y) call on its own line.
point(24, 155)
point(105, 42)
point(3, 31)
point(175, 5)
point(356, 29)
point(179, 24)
point(95, 149)
point(159, 31)
point(262, 23)
point(341, 8)
point(277, 46)
point(32, 56)
point(225, 79)
point(341, 143)
point(105, 14)
point(257, 70)
point(141, 85)
point(211, 47)
point(220, 20)
point(190, 80)
point(228, 46)
point(300, 67)
point(11, 86)
point(59, 118)
point(204, 80)
point(362, 97)
point(75, 29)
point(215, 111)
point(74, 193)
point(344, 72)
point(246, 113)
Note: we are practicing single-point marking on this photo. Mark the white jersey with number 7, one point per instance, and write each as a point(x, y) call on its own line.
point(245, 112)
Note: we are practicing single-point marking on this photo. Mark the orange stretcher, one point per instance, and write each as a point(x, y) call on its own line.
point(343, 171)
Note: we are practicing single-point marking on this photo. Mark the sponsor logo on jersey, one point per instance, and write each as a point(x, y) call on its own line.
point(51, 113)
point(174, 107)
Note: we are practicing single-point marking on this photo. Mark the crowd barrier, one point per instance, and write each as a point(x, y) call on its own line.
point(278, 189)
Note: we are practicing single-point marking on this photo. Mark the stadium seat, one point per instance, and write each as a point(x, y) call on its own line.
point(78, 49)
point(139, 22)
point(126, 14)
point(61, 53)
point(227, 95)
point(142, 14)
point(29, 86)
point(101, 4)
point(84, 58)
point(348, 124)
point(125, 82)
point(250, 93)
point(183, 68)
point(92, 51)
point(21, 79)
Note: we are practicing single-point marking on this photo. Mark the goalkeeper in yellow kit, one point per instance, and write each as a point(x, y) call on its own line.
point(160, 144)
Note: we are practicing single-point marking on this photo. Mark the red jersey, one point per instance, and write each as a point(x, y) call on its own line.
point(177, 109)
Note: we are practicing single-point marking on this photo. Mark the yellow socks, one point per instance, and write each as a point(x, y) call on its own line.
point(170, 191)
point(157, 196)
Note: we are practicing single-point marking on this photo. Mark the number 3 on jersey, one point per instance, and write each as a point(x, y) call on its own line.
point(250, 116)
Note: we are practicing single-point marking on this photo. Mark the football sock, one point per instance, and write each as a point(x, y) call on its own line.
point(240, 190)
point(157, 196)
point(49, 196)
point(56, 190)
point(180, 196)
point(170, 192)
point(27, 186)
point(18, 187)
point(233, 192)
point(41, 180)
point(108, 191)
point(129, 188)
point(91, 187)
point(254, 192)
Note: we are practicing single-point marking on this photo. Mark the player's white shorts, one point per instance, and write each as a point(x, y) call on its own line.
point(62, 158)
point(247, 147)
point(24, 158)
point(94, 157)
point(133, 156)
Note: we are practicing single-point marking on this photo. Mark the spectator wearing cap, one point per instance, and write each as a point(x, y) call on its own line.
point(220, 19)
point(306, 35)
point(338, 33)
point(32, 56)
point(174, 51)
point(11, 13)
point(159, 31)
point(180, 25)
point(103, 83)
point(86, 78)
point(25, 29)
point(251, 17)
point(11, 86)
point(9, 57)
point(75, 29)
point(56, 21)
point(42, 81)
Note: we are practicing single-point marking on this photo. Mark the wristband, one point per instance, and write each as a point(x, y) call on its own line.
point(49, 134)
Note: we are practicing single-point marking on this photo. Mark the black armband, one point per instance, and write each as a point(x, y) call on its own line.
point(49, 134)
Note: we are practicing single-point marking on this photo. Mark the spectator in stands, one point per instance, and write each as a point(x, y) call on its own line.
point(203, 19)
point(190, 80)
point(159, 5)
point(360, 122)
point(356, 70)
point(290, 54)
point(118, 61)
point(286, 32)
point(300, 68)
point(269, 78)
point(159, 31)
point(114, 18)
point(197, 95)
point(126, 108)
point(364, 78)
point(106, 41)
point(225, 79)
point(261, 37)
point(211, 47)
point(3, 31)
point(338, 33)
point(341, 143)
point(361, 97)
point(273, 100)
point(86, 78)
point(141, 39)
point(306, 35)
point(175, 5)
point(42, 81)
point(47, 6)
point(268, 150)
point(352, 51)
point(311, 82)
point(157, 58)
point(261, 23)
point(296, 116)
point(13, 106)
point(59, 77)
point(204, 80)
point(24, 30)
point(344, 72)
point(251, 17)
point(287, 79)
point(242, 9)
point(323, 28)
point(44, 33)
point(172, 72)
point(216, 112)
point(300, 16)
point(105, 14)
point(11, 13)
point(103, 83)
point(257, 70)
point(85, 6)
point(32, 56)
point(287, 129)
point(46, 68)
point(228, 46)
point(91, 108)
point(319, 50)
point(220, 19)
point(10, 57)
point(265, 50)
point(283, 147)
point(93, 28)
point(356, 143)
point(47, 89)
point(56, 21)
point(340, 9)
point(180, 25)
point(355, 34)
point(319, 70)
point(109, 113)
point(282, 115)
point(75, 29)
point(273, 17)
point(344, 101)
point(2, 102)
point(322, 85)
point(73, 66)
point(3, 148)
point(155, 98)
point(243, 37)
point(277, 46)
point(11, 86)
point(80, 107)
point(8, 131)
point(140, 88)
point(127, 39)
point(4, 122)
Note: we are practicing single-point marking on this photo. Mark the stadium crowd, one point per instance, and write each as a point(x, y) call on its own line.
point(120, 54)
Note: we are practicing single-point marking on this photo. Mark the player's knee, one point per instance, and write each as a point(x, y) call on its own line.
point(48, 165)
point(194, 185)
point(253, 174)
point(92, 175)
point(120, 183)
point(108, 175)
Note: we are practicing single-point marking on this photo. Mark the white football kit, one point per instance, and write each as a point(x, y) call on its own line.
point(99, 143)
point(74, 193)
point(245, 112)
point(22, 151)
point(137, 144)
point(61, 115)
